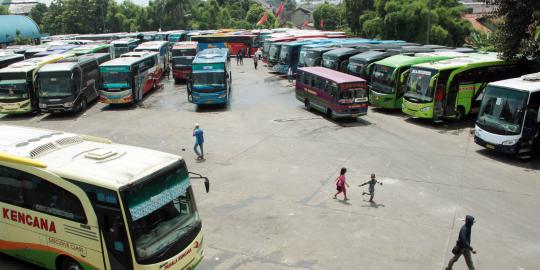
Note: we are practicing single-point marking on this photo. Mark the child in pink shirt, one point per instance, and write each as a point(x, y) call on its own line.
point(341, 183)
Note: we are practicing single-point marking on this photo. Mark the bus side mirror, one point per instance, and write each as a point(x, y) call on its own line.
point(538, 115)
point(206, 180)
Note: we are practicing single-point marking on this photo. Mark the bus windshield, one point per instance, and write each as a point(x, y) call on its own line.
point(285, 55)
point(274, 52)
point(120, 50)
point(330, 61)
point(55, 84)
point(162, 212)
point(184, 52)
point(502, 110)
point(357, 68)
point(183, 61)
point(383, 79)
point(418, 85)
point(13, 86)
point(215, 79)
point(115, 79)
point(302, 58)
point(313, 58)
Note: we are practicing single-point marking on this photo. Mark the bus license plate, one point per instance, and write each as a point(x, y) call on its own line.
point(354, 115)
point(490, 146)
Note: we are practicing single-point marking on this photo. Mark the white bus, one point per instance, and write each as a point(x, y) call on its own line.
point(161, 47)
point(124, 45)
point(72, 202)
point(509, 116)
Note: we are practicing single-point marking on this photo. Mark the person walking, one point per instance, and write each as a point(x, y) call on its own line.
point(255, 61)
point(341, 183)
point(199, 141)
point(463, 245)
point(371, 188)
point(290, 75)
point(238, 58)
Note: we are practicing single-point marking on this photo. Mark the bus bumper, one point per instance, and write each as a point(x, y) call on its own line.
point(497, 143)
point(418, 110)
point(385, 101)
point(181, 74)
point(209, 98)
point(21, 107)
point(121, 97)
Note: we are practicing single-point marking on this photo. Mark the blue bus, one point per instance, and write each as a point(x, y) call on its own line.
point(289, 55)
point(211, 77)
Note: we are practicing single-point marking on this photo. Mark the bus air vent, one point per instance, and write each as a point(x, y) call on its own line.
point(100, 154)
point(43, 149)
point(69, 141)
point(531, 77)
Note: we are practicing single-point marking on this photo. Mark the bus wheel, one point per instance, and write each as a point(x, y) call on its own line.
point(84, 105)
point(307, 105)
point(69, 264)
point(330, 114)
point(460, 113)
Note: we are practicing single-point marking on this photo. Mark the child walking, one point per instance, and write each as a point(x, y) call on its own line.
point(341, 183)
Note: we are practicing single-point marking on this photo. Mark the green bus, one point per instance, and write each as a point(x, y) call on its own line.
point(92, 48)
point(389, 78)
point(451, 89)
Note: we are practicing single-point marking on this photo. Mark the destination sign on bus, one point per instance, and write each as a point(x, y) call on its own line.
point(114, 69)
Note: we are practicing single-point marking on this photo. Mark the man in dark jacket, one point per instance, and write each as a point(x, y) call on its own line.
point(463, 245)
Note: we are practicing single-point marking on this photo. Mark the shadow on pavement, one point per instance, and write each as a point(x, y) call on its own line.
point(68, 115)
point(18, 117)
point(373, 204)
point(446, 126)
point(527, 164)
point(212, 108)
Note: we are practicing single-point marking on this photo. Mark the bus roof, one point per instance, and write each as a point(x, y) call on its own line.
point(88, 48)
point(471, 59)
point(125, 61)
point(124, 41)
point(138, 54)
point(214, 55)
point(88, 159)
point(4, 57)
point(185, 45)
point(527, 83)
point(404, 60)
point(53, 67)
point(372, 55)
point(341, 52)
point(331, 74)
point(31, 64)
point(151, 45)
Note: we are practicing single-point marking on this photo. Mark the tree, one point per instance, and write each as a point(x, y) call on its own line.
point(4, 10)
point(37, 13)
point(515, 35)
point(255, 13)
point(326, 17)
point(353, 10)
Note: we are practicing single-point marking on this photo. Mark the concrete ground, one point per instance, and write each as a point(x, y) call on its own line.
point(272, 166)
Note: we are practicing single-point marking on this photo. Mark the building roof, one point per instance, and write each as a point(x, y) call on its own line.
point(95, 160)
point(331, 74)
point(529, 83)
point(10, 24)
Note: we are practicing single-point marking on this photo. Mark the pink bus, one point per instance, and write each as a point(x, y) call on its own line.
point(336, 94)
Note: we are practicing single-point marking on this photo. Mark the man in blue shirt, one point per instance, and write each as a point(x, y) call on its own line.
point(199, 140)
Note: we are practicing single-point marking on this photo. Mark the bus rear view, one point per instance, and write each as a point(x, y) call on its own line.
point(183, 54)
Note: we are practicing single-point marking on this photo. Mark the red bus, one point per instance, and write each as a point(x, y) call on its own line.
point(183, 54)
point(234, 43)
point(336, 94)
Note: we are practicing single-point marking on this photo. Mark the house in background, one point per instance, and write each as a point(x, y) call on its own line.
point(19, 7)
point(300, 16)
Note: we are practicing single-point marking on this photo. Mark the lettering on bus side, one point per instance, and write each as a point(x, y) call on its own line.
point(30, 220)
point(67, 245)
point(310, 91)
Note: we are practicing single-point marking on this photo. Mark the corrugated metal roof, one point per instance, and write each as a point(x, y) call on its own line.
point(9, 24)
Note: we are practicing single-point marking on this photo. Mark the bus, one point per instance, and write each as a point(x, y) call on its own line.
point(336, 94)
point(92, 48)
point(313, 56)
point(55, 50)
point(234, 43)
point(274, 52)
point(127, 79)
point(183, 54)
point(338, 59)
point(107, 37)
point(68, 85)
point(124, 45)
point(211, 77)
point(304, 52)
point(389, 79)
point(268, 43)
point(7, 59)
point(68, 203)
point(360, 65)
point(289, 54)
point(452, 88)
point(162, 48)
point(18, 92)
point(509, 116)
point(177, 36)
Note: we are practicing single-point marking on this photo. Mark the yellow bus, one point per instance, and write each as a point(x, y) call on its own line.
point(81, 202)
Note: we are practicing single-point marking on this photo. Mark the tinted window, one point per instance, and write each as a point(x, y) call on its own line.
point(34, 193)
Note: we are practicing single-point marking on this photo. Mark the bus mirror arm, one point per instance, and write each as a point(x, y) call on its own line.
point(199, 176)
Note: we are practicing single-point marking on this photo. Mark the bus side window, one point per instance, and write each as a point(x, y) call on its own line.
point(77, 78)
point(333, 89)
point(11, 190)
point(306, 78)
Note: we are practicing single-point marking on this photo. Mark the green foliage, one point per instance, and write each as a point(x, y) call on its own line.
point(4, 10)
point(517, 35)
point(255, 13)
point(353, 8)
point(37, 13)
point(20, 40)
point(327, 13)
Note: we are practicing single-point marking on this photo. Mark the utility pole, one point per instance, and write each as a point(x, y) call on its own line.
point(428, 22)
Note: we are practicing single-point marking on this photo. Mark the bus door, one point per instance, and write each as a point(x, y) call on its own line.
point(531, 125)
point(402, 84)
point(48, 217)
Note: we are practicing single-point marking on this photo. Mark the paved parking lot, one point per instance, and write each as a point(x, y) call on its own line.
point(272, 166)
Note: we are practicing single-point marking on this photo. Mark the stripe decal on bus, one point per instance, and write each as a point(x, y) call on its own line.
point(81, 233)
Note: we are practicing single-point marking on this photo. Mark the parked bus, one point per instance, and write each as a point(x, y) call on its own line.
point(161, 47)
point(268, 43)
point(55, 50)
point(338, 59)
point(122, 46)
point(274, 52)
point(183, 54)
point(92, 48)
point(306, 48)
point(177, 36)
point(289, 54)
point(69, 85)
point(509, 116)
point(451, 88)
point(68, 203)
point(234, 43)
point(389, 79)
point(127, 79)
point(336, 94)
point(360, 65)
point(211, 78)
point(18, 91)
point(313, 56)
point(10, 58)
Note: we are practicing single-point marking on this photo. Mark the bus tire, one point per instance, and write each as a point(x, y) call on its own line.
point(67, 263)
point(84, 105)
point(460, 113)
point(307, 105)
point(330, 114)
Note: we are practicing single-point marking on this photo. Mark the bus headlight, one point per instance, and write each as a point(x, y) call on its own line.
point(510, 142)
point(42, 106)
point(68, 104)
point(425, 109)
